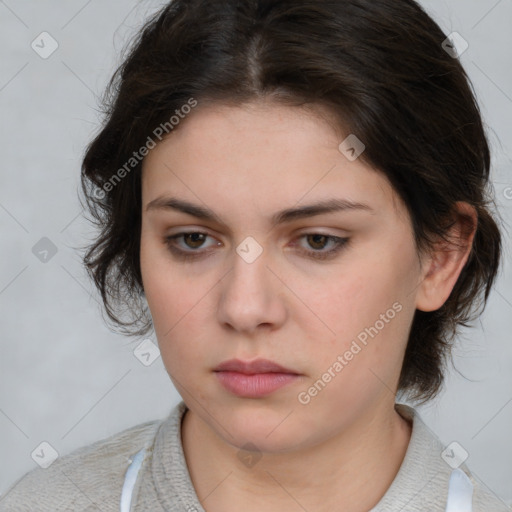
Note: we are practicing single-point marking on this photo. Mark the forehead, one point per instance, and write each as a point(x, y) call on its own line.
point(260, 154)
point(259, 125)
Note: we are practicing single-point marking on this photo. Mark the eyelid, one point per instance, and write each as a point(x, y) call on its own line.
point(296, 235)
point(190, 254)
point(309, 230)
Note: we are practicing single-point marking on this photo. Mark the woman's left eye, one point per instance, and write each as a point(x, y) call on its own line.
point(197, 239)
point(318, 238)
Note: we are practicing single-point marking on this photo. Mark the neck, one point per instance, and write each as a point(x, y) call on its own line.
point(350, 471)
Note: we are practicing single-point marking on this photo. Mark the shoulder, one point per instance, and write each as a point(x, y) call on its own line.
point(424, 476)
point(87, 479)
point(483, 498)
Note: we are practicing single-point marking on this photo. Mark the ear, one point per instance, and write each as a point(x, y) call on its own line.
point(443, 266)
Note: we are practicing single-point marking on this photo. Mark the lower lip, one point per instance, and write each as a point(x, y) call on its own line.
point(254, 386)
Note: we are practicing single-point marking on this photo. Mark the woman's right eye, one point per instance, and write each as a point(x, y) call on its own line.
point(193, 240)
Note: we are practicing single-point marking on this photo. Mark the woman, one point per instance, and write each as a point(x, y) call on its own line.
point(294, 195)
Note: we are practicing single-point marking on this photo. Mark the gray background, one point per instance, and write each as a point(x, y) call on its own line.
point(64, 377)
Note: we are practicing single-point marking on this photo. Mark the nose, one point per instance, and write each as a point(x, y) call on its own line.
point(252, 296)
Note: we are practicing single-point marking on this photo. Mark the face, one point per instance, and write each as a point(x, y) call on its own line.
point(327, 296)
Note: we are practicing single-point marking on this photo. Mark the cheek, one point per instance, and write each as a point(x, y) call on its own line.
point(177, 298)
point(369, 306)
point(355, 300)
point(171, 302)
point(172, 310)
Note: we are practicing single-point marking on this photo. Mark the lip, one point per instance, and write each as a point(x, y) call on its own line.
point(253, 379)
point(253, 367)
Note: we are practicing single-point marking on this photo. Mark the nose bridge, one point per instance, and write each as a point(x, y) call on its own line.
point(249, 294)
point(250, 274)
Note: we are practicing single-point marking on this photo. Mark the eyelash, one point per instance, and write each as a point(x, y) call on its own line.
point(339, 244)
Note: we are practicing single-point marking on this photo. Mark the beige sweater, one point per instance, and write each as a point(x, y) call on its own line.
point(91, 478)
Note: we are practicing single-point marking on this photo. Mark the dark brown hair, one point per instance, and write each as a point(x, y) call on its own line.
point(380, 68)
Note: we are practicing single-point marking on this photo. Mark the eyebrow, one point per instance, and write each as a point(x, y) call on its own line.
point(281, 217)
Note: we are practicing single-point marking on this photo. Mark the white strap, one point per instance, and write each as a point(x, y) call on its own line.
point(460, 492)
point(130, 479)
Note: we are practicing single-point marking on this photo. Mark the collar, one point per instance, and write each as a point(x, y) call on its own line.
point(422, 474)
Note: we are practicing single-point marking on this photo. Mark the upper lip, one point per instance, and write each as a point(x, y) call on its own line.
point(252, 367)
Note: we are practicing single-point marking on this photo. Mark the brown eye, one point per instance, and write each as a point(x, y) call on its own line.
point(191, 241)
point(317, 241)
point(194, 240)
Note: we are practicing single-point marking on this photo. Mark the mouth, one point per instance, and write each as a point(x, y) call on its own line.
point(254, 379)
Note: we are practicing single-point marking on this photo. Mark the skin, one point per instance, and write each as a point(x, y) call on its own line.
point(246, 163)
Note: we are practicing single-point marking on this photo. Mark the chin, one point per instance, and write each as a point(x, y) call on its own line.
point(270, 429)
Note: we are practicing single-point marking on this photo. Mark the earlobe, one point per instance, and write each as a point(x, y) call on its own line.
point(445, 263)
